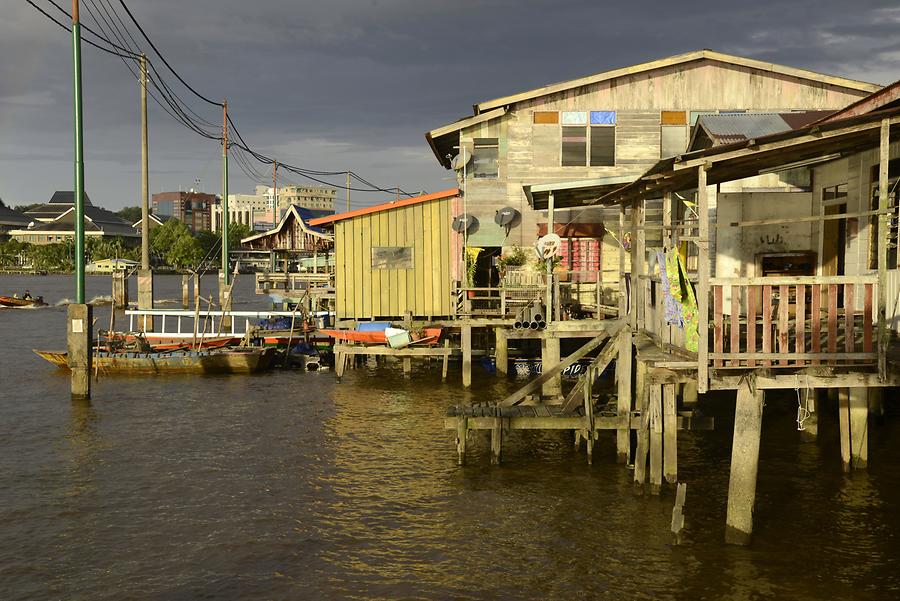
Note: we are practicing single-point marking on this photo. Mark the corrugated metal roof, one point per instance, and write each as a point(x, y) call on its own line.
point(394, 204)
point(742, 126)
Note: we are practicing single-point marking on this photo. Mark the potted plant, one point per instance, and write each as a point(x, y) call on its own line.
point(472, 253)
point(515, 257)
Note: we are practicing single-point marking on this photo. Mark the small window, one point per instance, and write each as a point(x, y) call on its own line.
point(546, 117)
point(834, 192)
point(672, 140)
point(574, 118)
point(603, 146)
point(392, 257)
point(673, 118)
point(485, 157)
point(603, 117)
point(574, 146)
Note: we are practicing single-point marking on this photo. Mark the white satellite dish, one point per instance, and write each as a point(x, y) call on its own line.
point(460, 161)
point(548, 246)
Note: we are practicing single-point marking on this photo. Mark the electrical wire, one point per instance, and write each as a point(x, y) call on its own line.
point(111, 24)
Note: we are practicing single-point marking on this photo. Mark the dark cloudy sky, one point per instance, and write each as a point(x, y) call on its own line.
point(341, 84)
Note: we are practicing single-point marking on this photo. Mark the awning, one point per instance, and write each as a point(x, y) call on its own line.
point(576, 193)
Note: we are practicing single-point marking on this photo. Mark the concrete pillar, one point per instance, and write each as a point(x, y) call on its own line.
point(744, 465)
point(145, 298)
point(656, 439)
point(549, 360)
point(501, 351)
point(689, 395)
point(407, 366)
point(623, 402)
point(119, 289)
point(809, 402)
point(185, 291)
point(78, 343)
point(466, 342)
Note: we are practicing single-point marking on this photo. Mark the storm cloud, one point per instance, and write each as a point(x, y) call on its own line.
point(354, 84)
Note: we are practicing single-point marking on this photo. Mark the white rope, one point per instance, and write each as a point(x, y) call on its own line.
point(805, 407)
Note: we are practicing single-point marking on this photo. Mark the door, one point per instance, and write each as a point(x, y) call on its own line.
point(834, 246)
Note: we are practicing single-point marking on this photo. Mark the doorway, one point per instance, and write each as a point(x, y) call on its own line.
point(834, 246)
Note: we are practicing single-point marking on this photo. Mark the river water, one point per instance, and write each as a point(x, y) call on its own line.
point(287, 485)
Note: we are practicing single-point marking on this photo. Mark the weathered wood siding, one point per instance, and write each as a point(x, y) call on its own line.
point(424, 290)
point(530, 154)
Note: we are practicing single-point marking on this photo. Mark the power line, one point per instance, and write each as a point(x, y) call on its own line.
point(175, 106)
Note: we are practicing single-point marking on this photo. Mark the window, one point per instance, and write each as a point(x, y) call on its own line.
point(574, 146)
point(673, 133)
point(546, 117)
point(835, 192)
point(392, 257)
point(893, 197)
point(581, 255)
point(603, 146)
point(484, 157)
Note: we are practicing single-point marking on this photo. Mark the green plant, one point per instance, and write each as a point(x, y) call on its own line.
point(516, 257)
point(541, 266)
point(472, 253)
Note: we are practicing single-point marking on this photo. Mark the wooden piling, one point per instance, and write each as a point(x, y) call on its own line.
point(496, 440)
point(859, 431)
point(466, 341)
point(643, 434)
point(462, 432)
point(744, 464)
point(549, 360)
point(446, 362)
point(623, 401)
point(407, 366)
point(656, 439)
point(501, 350)
point(670, 433)
point(844, 422)
point(119, 290)
point(185, 291)
point(808, 401)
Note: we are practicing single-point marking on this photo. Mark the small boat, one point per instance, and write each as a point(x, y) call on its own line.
point(219, 361)
point(16, 302)
point(429, 335)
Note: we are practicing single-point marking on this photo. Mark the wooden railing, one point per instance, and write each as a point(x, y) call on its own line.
point(792, 321)
point(576, 292)
point(291, 283)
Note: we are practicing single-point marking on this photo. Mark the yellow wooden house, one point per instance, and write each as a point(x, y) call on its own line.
point(396, 258)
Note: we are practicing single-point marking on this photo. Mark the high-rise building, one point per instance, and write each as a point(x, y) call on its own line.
point(194, 209)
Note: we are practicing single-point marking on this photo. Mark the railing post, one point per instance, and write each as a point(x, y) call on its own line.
point(883, 233)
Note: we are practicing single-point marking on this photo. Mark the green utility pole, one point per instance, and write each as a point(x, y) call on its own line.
point(225, 271)
point(79, 315)
point(79, 158)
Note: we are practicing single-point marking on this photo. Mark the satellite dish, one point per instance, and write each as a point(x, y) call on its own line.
point(548, 246)
point(463, 223)
point(460, 161)
point(506, 216)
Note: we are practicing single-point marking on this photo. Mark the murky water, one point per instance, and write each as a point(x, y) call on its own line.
point(289, 486)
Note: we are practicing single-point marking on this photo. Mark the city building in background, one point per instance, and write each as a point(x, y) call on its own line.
point(194, 209)
point(55, 222)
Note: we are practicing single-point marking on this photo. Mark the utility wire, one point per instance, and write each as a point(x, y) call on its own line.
point(175, 106)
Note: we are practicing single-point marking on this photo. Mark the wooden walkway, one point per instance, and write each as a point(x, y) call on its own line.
point(345, 353)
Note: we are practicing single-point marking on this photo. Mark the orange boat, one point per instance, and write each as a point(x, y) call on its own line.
point(429, 335)
point(16, 302)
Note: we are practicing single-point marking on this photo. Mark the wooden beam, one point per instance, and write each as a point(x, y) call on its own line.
point(744, 464)
point(599, 364)
point(546, 375)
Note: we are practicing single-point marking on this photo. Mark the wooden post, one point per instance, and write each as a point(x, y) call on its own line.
point(549, 360)
point(643, 435)
point(637, 265)
point(446, 361)
point(670, 432)
point(656, 438)
point(809, 402)
point(883, 232)
point(119, 289)
point(623, 288)
point(496, 440)
point(145, 298)
point(196, 285)
point(501, 351)
point(340, 362)
point(744, 464)
point(466, 341)
point(859, 431)
point(844, 421)
point(548, 299)
point(623, 401)
point(678, 511)
point(185, 291)
point(703, 281)
point(462, 432)
point(589, 414)
point(407, 366)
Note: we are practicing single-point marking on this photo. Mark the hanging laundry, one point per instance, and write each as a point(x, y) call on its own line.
point(682, 292)
point(671, 307)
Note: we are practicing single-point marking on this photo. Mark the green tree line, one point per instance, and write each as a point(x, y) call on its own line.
point(171, 244)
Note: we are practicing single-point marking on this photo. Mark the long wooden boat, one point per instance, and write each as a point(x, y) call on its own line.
point(11, 301)
point(223, 361)
point(429, 335)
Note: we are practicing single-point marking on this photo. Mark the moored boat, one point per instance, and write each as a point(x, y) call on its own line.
point(222, 361)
